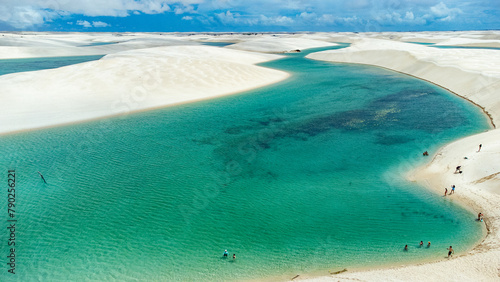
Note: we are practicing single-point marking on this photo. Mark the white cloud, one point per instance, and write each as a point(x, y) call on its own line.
point(226, 18)
point(84, 23)
point(391, 18)
point(27, 13)
point(327, 19)
point(351, 20)
point(229, 18)
point(441, 12)
point(154, 7)
point(409, 16)
point(87, 24)
point(187, 18)
point(308, 16)
point(291, 13)
point(113, 8)
point(184, 9)
point(24, 16)
point(100, 24)
point(395, 18)
point(277, 20)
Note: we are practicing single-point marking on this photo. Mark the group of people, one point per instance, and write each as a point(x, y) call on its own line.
point(451, 192)
point(450, 249)
point(420, 245)
point(480, 215)
point(226, 254)
point(458, 169)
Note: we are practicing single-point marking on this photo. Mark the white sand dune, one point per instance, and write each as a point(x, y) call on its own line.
point(474, 75)
point(279, 44)
point(127, 82)
point(486, 38)
point(14, 46)
point(466, 42)
point(28, 45)
point(442, 37)
point(266, 43)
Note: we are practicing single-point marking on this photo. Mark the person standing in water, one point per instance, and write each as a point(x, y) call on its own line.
point(450, 251)
point(429, 244)
point(421, 244)
point(406, 247)
point(226, 253)
point(234, 256)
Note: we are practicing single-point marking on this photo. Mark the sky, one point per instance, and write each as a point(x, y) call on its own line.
point(248, 16)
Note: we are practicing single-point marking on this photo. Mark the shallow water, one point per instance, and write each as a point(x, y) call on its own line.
point(217, 44)
point(453, 46)
point(463, 47)
point(32, 64)
point(302, 176)
point(97, 44)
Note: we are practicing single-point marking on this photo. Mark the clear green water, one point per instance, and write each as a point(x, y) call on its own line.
point(217, 44)
point(463, 47)
point(303, 176)
point(33, 64)
point(98, 44)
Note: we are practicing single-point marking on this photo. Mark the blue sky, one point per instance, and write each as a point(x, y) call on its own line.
point(249, 15)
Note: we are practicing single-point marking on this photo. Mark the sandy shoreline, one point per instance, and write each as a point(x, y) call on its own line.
point(478, 187)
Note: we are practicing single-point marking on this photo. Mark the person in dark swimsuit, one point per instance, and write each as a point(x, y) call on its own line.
point(450, 251)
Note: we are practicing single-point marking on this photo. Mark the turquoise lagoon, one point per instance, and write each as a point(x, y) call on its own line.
point(33, 64)
point(303, 176)
point(454, 46)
